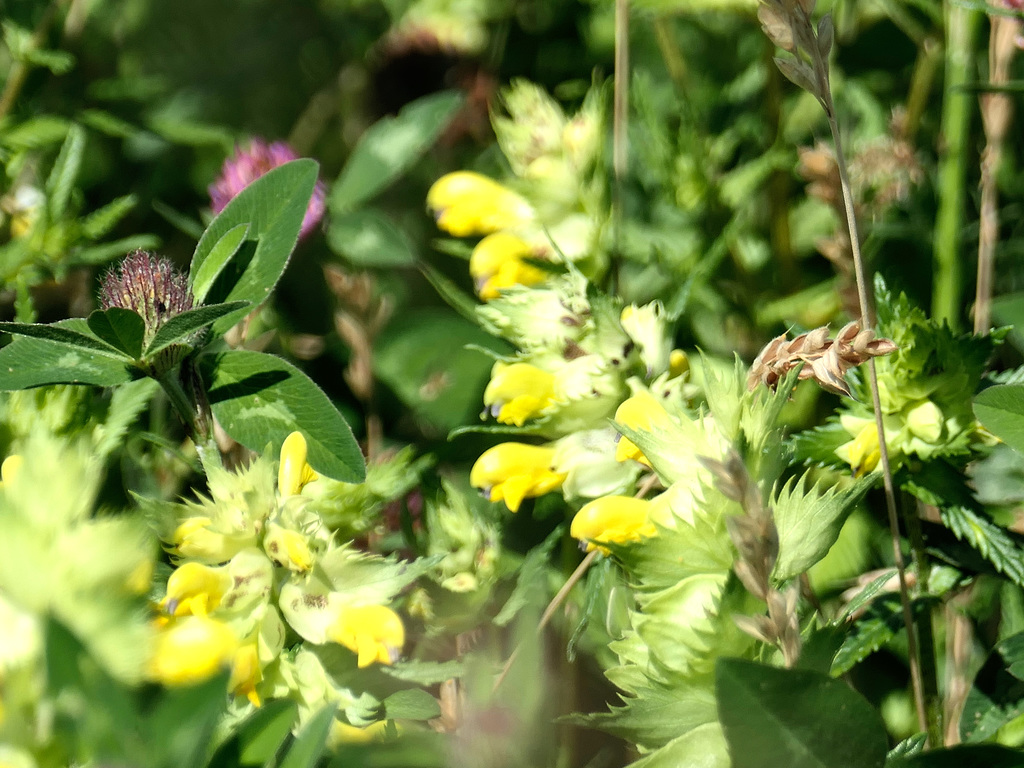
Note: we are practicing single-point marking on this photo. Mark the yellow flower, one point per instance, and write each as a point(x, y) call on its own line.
point(511, 472)
point(863, 452)
point(246, 673)
point(518, 392)
point(194, 538)
point(678, 363)
point(373, 632)
point(294, 472)
point(288, 548)
point(195, 589)
point(10, 469)
point(192, 649)
point(497, 263)
point(466, 203)
point(343, 733)
point(640, 412)
point(612, 519)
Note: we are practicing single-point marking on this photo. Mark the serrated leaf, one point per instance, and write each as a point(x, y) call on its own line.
point(390, 146)
point(65, 170)
point(203, 278)
point(530, 585)
point(411, 704)
point(257, 739)
point(912, 745)
point(809, 521)
point(309, 744)
point(1001, 411)
point(187, 323)
point(880, 623)
point(991, 541)
point(273, 206)
point(121, 328)
point(260, 399)
point(101, 221)
point(997, 694)
point(866, 595)
point(368, 238)
point(795, 718)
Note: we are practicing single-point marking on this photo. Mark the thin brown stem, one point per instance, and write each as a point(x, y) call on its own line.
point(887, 480)
point(553, 606)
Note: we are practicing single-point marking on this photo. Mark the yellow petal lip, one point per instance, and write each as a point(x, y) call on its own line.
point(512, 472)
point(518, 392)
point(617, 519)
point(467, 203)
point(195, 589)
point(294, 472)
point(375, 633)
point(190, 650)
point(498, 263)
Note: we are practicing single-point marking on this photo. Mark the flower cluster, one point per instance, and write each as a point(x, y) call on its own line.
point(250, 162)
point(546, 215)
point(257, 566)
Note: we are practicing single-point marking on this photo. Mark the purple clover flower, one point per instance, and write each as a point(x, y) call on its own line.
point(248, 164)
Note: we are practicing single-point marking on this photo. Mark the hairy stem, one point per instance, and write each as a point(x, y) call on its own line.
point(957, 107)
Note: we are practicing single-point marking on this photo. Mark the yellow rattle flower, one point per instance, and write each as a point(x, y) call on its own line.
point(511, 472)
point(518, 392)
point(294, 472)
point(374, 632)
point(467, 203)
point(192, 649)
point(497, 263)
point(615, 519)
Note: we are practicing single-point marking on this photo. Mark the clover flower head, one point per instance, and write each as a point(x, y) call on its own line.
point(511, 472)
point(466, 203)
point(612, 519)
point(149, 285)
point(254, 160)
point(518, 392)
point(374, 633)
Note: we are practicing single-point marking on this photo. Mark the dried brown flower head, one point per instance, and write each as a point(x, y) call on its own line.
point(825, 360)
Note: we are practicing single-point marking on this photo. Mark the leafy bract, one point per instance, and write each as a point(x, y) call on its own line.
point(1001, 410)
point(260, 398)
point(273, 207)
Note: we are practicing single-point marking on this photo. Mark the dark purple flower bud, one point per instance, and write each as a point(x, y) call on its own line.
point(152, 287)
point(248, 164)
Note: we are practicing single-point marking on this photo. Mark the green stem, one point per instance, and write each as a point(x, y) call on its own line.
point(957, 108)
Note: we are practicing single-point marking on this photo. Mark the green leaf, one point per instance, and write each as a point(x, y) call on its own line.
point(455, 297)
point(795, 718)
point(411, 704)
point(390, 146)
point(61, 333)
point(121, 328)
point(809, 520)
point(273, 206)
point(870, 591)
point(1009, 310)
point(964, 756)
point(187, 323)
point(309, 745)
point(203, 278)
point(260, 399)
point(36, 132)
point(180, 728)
point(989, 540)
point(65, 170)
point(31, 362)
point(425, 360)
point(369, 238)
point(529, 589)
point(879, 624)
point(1001, 411)
point(257, 739)
point(425, 672)
point(101, 221)
point(997, 695)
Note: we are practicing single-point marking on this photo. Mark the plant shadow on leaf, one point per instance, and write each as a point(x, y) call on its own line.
point(246, 387)
point(231, 273)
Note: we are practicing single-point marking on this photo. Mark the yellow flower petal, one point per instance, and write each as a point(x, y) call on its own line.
point(294, 472)
point(511, 472)
point(374, 633)
point(191, 650)
point(518, 392)
point(612, 519)
point(467, 203)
